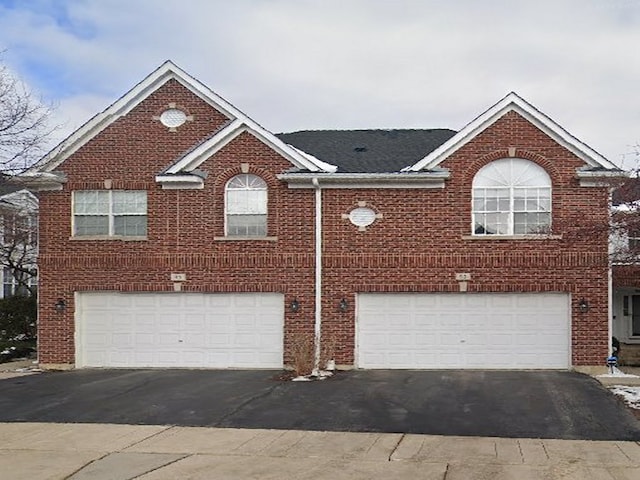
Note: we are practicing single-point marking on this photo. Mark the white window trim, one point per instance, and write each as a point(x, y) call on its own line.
point(511, 212)
point(226, 212)
point(110, 216)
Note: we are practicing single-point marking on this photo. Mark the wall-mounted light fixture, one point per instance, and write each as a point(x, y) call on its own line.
point(294, 305)
point(60, 305)
point(343, 305)
point(583, 305)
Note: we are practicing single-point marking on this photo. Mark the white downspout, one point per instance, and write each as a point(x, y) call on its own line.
point(318, 279)
point(610, 276)
point(610, 319)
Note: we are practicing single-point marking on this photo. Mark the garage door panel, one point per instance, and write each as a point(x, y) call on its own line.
point(499, 340)
point(450, 319)
point(180, 330)
point(465, 330)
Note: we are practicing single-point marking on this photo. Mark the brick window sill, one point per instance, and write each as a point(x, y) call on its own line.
point(512, 237)
point(108, 237)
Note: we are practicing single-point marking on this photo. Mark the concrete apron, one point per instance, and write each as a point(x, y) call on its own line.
point(100, 452)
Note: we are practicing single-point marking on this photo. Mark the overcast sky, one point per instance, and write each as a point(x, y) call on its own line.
point(346, 64)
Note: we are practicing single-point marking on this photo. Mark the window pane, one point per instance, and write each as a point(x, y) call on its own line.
point(531, 223)
point(247, 201)
point(246, 181)
point(491, 200)
point(247, 225)
point(130, 226)
point(491, 224)
point(91, 201)
point(512, 189)
point(91, 225)
point(134, 201)
point(519, 200)
point(479, 204)
point(7, 283)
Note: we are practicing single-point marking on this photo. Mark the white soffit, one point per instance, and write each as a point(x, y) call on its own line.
point(513, 102)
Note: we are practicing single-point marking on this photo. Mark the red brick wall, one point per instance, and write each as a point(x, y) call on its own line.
point(418, 245)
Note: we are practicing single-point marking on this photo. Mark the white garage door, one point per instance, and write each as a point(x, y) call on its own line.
point(179, 330)
point(466, 330)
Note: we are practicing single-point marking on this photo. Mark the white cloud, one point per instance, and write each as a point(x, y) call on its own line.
point(295, 64)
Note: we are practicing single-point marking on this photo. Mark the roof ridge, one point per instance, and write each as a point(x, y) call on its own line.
point(368, 130)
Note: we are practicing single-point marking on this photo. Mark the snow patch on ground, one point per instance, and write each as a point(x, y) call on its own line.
point(631, 395)
point(320, 375)
point(618, 373)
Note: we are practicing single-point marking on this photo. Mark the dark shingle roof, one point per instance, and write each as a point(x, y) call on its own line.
point(368, 151)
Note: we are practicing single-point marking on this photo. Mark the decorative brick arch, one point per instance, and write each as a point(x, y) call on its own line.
point(222, 179)
point(477, 164)
point(272, 182)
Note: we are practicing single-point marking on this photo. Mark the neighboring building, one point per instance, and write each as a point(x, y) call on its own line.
point(18, 240)
point(625, 254)
point(177, 232)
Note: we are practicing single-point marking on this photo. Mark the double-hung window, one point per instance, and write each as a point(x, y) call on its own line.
point(110, 213)
point(511, 196)
point(246, 206)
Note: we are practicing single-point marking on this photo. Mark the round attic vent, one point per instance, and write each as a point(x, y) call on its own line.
point(173, 117)
point(362, 216)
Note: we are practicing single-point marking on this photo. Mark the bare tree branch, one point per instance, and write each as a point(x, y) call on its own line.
point(18, 245)
point(24, 129)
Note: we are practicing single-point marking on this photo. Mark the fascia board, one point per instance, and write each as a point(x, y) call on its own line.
point(512, 102)
point(42, 181)
point(180, 181)
point(602, 173)
point(600, 178)
point(366, 180)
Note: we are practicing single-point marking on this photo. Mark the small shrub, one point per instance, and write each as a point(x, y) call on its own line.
point(327, 351)
point(18, 328)
point(302, 353)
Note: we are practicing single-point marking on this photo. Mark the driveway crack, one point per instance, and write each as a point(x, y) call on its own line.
point(241, 405)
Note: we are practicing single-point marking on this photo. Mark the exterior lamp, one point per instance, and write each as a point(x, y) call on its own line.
point(60, 305)
point(343, 305)
point(583, 305)
point(294, 305)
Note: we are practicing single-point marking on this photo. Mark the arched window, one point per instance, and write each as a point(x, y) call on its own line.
point(511, 196)
point(246, 206)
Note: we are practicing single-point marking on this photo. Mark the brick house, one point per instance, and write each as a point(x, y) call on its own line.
point(177, 232)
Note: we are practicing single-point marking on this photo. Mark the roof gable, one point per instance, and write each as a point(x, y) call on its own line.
point(169, 71)
point(513, 102)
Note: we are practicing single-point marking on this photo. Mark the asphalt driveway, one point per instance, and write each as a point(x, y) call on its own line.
point(562, 405)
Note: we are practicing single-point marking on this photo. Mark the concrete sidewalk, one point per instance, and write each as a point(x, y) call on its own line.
point(99, 452)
